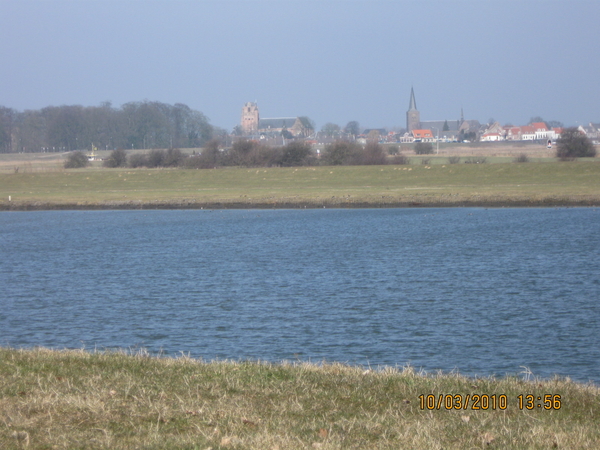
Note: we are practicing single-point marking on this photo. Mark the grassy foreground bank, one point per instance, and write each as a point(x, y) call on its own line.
point(437, 184)
point(76, 399)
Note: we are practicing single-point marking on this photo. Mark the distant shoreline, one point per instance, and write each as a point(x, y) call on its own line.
point(189, 205)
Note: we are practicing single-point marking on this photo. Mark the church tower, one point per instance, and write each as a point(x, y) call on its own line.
point(413, 117)
point(250, 118)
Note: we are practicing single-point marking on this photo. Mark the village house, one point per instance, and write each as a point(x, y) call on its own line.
point(423, 136)
point(527, 133)
point(541, 131)
point(494, 132)
point(512, 133)
point(592, 131)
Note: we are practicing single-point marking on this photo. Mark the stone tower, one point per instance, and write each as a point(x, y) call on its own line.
point(413, 117)
point(250, 118)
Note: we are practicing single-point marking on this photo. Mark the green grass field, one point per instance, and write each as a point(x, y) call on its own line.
point(436, 184)
point(75, 400)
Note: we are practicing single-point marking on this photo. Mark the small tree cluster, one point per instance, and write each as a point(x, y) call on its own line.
point(522, 158)
point(172, 157)
point(423, 148)
point(476, 160)
point(372, 155)
point(117, 158)
point(208, 159)
point(252, 154)
point(574, 144)
point(249, 153)
point(400, 160)
point(350, 153)
point(340, 153)
point(296, 153)
point(76, 160)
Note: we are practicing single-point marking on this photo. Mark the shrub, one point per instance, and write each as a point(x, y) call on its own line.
point(209, 158)
point(138, 160)
point(117, 158)
point(394, 150)
point(197, 162)
point(453, 159)
point(340, 152)
point(423, 148)
point(425, 161)
point(522, 158)
point(155, 158)
point(76, 160)
point(268, 156)
point(241, 153)
point(476, 160)
point(173, 157)
point(296, 153)
point(400, 159)
point(372, 155)
point(253, 154)
point(574, 144)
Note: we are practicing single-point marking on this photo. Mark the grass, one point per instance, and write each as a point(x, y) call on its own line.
point(435, 184)
point(76, 399)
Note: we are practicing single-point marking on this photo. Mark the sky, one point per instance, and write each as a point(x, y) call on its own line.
point(331, 60)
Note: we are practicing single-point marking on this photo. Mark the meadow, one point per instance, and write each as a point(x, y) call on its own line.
point(78, 399)
point(44, 184)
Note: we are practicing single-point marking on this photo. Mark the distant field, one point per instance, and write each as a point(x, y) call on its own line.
point(439, 184)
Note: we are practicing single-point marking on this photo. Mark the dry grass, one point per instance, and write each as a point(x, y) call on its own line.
point(76, 399)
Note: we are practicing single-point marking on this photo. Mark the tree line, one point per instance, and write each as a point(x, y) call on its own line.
point(250, 153)
point(134, 125)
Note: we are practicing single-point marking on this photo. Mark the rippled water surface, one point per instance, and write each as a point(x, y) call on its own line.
point(484, 291)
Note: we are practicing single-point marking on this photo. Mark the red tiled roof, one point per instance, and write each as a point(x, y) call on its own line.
point(422, 133)
point(528, 129)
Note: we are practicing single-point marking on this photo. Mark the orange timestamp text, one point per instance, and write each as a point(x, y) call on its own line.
point(489, 401)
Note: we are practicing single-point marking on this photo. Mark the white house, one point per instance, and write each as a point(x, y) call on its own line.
point(541, 131)
point(527, 133)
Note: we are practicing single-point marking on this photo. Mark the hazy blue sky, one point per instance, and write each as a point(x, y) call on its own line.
point(331, 60)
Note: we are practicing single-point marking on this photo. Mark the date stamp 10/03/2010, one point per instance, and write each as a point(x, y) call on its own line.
point(544, 402)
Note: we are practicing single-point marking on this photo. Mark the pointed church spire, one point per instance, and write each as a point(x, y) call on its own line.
point(413, 103)
point(413, 117)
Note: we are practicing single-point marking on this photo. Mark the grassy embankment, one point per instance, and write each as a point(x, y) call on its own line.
point(74, 399)
point(436, 184)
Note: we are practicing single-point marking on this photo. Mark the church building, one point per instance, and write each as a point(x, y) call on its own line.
point(445, 130)
point(288, 127)
point(413, 117)
point(250, 118)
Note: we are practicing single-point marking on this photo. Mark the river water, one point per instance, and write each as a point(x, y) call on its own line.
point(479, 291)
